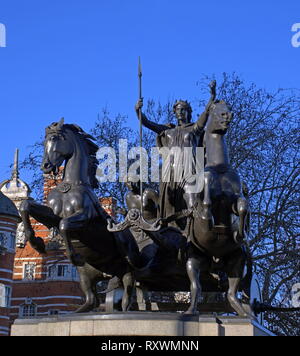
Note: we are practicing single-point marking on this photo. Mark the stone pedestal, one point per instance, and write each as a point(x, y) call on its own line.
point(137, 324)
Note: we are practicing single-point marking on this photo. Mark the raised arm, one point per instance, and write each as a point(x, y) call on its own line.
point(200, 124)
point(153, 126)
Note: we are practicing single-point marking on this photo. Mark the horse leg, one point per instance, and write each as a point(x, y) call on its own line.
point(89, 277)
point(206, 213)
point(235, 270)
point(242, 210)
point(232, 298)
point(193, 271)
point(67, 227)
point(42, 214)
point(128, 283)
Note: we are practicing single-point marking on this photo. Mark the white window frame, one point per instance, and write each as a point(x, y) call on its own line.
point(8, 293)
point(7, 241)
point(55, 269)
point(74, 273)
point(33, 265)
point(31, 310)
point(2, 295)
point(12, 242)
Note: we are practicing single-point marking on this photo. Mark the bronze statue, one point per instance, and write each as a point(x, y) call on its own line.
point(216, 232)
point(74, 209)
point(211, 255)
point(150, 200)
point(159, 247)
point(174, 191)
point(218, 237)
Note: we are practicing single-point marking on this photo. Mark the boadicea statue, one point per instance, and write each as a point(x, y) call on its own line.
point(211, 255)
point(159, 256)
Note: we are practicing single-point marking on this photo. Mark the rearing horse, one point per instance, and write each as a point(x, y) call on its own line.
point(218, 233)
point(73, 208)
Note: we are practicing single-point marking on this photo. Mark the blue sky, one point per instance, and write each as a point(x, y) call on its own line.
point(71, 58)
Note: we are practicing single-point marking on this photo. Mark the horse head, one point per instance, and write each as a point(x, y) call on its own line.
point(56, 148)
point(219, 119)
point(64, 142)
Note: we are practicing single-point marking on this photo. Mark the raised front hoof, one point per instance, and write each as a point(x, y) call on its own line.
point(38, 244)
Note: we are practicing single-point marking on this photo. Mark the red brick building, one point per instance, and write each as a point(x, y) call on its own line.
point(9, 219)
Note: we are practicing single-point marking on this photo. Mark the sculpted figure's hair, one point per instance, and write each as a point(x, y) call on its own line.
point(185, 104)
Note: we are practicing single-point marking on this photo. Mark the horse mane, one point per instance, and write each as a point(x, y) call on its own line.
point(92, 149)
point(216, 102)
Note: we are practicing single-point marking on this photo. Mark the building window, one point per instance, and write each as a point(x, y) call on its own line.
point(12, 242)
point(3, 243)
point(57, 271)
point(74, 272)
point(7, 241)
point(28, 310)
point(62, 271)
point(53, 312)
point(29, 271)
point(5, 296)
point(51, 271)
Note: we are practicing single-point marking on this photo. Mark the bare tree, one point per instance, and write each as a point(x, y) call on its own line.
point(264, 146)
point(32, 164)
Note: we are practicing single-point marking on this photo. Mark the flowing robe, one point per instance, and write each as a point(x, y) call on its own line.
point(177, 187)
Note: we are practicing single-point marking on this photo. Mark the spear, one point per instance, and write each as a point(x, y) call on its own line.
point(141, 133)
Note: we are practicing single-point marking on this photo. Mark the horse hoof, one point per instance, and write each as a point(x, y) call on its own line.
point(85, 308)
point(38, 244)
point(244, 316)
point(126, 308)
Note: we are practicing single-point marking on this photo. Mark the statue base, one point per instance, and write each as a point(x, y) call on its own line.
point(137, 324)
